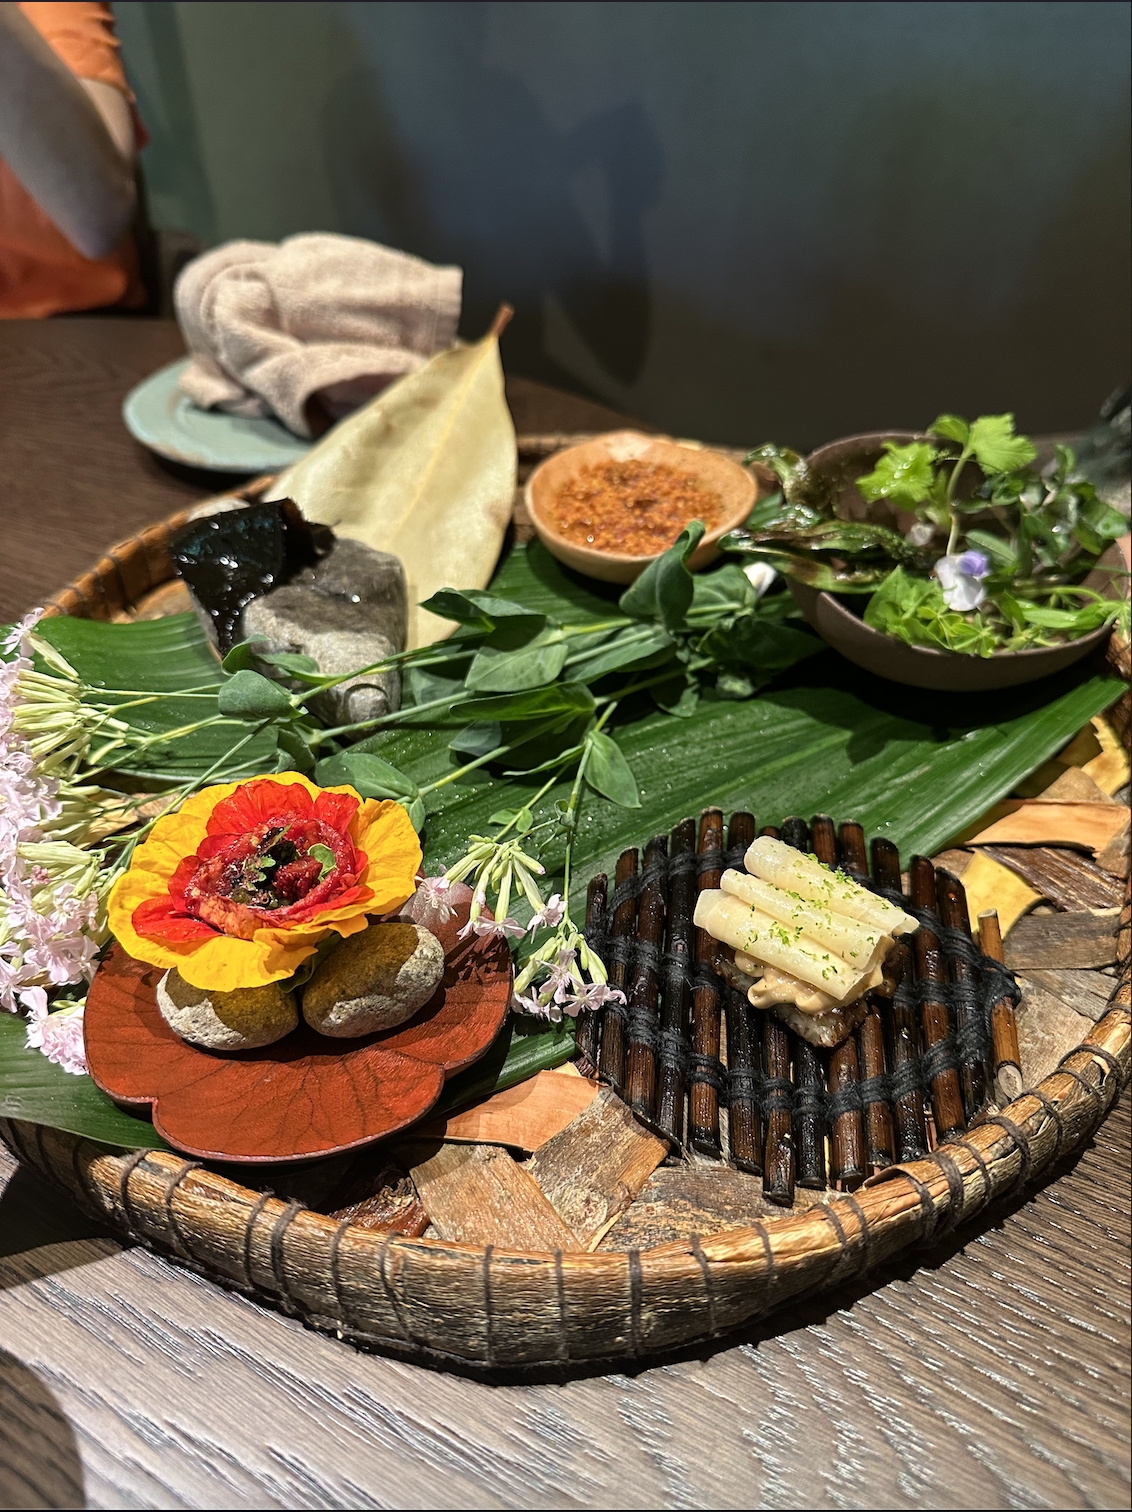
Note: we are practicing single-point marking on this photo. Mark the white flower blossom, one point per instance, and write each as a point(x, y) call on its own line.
point(961, 578)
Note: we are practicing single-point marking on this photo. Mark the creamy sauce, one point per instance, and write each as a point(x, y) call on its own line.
point(773, 985)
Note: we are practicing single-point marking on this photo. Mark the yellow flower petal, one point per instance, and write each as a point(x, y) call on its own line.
point(220, 963)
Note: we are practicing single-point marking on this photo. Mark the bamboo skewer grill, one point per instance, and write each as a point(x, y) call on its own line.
point(798, 1115)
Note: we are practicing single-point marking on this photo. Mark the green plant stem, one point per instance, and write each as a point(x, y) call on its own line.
point(571, 808)
point(952, 484)
point(180, 793)
point(395, 718)
point(530, 803)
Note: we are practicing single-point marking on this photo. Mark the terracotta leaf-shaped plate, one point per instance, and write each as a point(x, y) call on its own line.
point(307, 1095)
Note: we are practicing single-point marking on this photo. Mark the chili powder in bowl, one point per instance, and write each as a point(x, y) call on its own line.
point(610, 506)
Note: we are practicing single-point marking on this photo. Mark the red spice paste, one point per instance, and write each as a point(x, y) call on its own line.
point(634, 508)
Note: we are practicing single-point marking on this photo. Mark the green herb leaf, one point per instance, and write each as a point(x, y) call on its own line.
point(368, 774)
point(416, 813)
point(609, 773)
point(303, 667)
point(631, 649)
point(680, 696)
point(950, 428)
point(903, 475)
point(241, 658)
point(479, 610)
point(751, 642)
point(572, 699)
point(995, 446)
point(664, 590)
point(498, 670)
point(995, 548)
point(249, 696)
point(325, 858)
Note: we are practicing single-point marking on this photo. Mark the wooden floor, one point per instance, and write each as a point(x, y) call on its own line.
point(993, 1372)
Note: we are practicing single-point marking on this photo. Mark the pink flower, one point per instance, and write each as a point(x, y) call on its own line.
point(482, 927)
point(16, 635)
point(563, 978)
point(549, 916)
point(595, 995)
point(58, 1035)
point(435, 901)
point(531, 1004)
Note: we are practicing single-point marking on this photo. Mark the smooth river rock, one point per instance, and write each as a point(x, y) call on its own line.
point(350, 609)
point(242, 1020)
point(374, 980)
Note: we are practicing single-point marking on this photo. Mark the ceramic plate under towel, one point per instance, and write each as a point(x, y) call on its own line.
point(161, 417)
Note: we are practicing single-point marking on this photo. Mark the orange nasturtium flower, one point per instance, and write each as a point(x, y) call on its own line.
point(243, 882)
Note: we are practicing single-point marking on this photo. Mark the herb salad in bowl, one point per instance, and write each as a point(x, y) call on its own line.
point(946, 559)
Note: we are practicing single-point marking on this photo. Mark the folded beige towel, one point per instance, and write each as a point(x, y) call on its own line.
point(323, 317)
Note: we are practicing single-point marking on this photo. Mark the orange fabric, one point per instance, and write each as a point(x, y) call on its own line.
point(40, 272)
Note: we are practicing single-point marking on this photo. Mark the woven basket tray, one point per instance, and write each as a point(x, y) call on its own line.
point(488, 1307)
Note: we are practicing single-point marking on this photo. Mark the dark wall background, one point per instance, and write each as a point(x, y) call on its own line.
point(740, 221)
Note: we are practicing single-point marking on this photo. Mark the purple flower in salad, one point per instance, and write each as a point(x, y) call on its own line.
point(961, 578)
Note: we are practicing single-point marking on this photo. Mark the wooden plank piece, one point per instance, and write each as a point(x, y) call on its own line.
point(1033, 821)
point(594, 1168)
point(1063, 940)
point(476, 1194)
point(1069, 880)
point(1047, 1030)
point(1086, 992)
point(523, 1117)
point(679, 1201)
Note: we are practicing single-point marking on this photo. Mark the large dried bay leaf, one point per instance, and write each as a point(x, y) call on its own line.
point(427, 471)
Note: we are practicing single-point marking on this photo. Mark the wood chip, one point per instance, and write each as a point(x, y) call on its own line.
point(681, 1200)
point(1062, 940)
point(1116, 856)
point(476, 1194)
point(1111, 769)
point(1086, 992)
point(1069, 880)
point(954, 861)
point(1047, 1030)
point(1033, 821)
point(1076, 786)
point(597, 1165)
point(393, 1210)
point(523, 1117)
point(989, 884)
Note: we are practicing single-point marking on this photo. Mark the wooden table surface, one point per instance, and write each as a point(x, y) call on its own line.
point(992, 1371)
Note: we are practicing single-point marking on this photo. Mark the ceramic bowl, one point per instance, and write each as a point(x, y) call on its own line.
point(837, 618)
point(738, 487)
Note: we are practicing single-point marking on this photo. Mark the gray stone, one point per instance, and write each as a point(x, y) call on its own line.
point(350, 609)
point(374, 980)
point(245, 1019)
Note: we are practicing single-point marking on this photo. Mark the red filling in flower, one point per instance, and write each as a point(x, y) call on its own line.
point(272, 858)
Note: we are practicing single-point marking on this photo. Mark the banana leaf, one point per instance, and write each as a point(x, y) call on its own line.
point(33, 1088)
point(915, 767)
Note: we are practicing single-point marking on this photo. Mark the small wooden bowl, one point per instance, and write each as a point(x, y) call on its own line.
point(841, 463)
point(738, 488)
